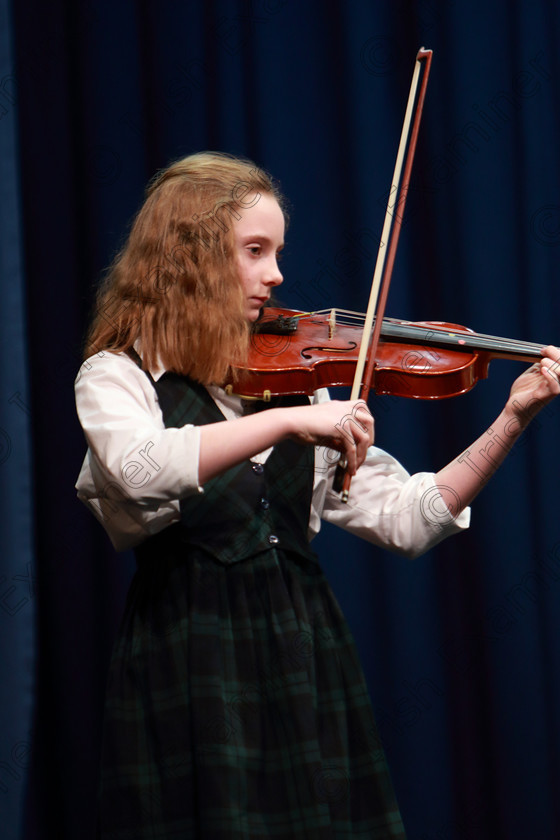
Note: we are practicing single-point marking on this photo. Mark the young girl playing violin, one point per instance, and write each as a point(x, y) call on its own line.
point(236, 705)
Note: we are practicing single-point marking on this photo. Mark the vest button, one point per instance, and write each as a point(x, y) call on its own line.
point(258, 469)
point(273, 539)
point(265, 504)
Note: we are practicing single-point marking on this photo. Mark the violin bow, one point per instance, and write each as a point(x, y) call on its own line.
point(386, 256)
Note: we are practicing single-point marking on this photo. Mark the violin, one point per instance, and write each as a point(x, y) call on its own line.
point(295, 352)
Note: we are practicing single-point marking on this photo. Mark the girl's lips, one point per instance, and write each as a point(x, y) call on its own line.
point(255, 305)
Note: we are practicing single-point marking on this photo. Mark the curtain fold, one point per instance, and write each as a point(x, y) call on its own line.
point(17, 562)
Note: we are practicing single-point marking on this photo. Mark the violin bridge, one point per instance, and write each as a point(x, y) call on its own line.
point(332, 323)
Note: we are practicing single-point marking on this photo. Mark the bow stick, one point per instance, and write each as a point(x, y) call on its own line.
point(386, 256)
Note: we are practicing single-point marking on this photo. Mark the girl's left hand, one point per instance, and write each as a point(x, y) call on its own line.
point(462, 479)
point(536, 387)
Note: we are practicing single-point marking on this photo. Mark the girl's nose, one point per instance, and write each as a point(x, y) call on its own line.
point(274, 276)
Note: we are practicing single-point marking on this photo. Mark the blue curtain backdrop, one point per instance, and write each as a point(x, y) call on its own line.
point(460, 647)
point(17, 562)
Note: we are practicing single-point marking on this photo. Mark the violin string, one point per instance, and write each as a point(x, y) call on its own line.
point(473, 339)
point(461, 340)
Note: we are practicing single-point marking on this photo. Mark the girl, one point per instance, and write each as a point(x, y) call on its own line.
point(236, 706)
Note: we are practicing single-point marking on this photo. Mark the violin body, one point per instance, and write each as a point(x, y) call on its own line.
point(297, 353)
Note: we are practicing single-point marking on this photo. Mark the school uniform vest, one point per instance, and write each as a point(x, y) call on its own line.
point(249, 509)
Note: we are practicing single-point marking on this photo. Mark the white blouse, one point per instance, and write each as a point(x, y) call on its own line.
point(135, 470)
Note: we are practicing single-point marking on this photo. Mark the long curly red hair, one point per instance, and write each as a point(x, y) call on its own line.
point(174, 285)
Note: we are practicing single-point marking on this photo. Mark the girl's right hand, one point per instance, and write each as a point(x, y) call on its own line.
point(346, 426)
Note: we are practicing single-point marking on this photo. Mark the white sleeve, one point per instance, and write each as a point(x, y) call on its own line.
point(135, 469)
point(387, 506)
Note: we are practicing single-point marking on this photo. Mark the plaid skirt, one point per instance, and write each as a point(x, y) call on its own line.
point(237, 708)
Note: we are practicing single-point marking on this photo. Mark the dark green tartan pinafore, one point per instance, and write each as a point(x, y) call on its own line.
point(236, 705)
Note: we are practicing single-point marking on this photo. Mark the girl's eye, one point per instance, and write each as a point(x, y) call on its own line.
point(279, 256)
point(255, 250)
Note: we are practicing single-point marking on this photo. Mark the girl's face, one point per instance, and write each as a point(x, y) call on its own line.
point(259, 238)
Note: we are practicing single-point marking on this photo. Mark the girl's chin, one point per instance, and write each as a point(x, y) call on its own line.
point(254, 313)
